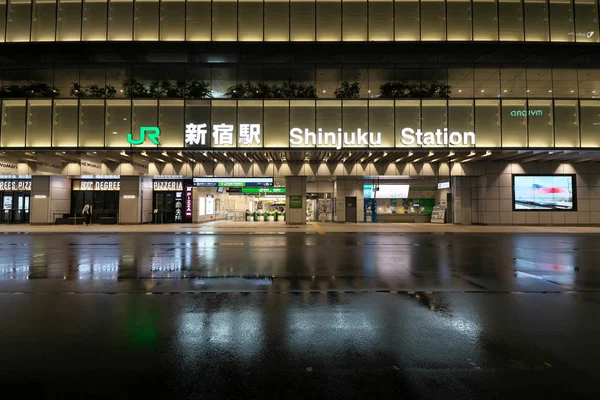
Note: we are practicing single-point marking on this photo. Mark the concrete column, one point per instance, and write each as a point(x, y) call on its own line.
point(146, 201)
point(295, 186)
point(40, 200)
point(50, 198)
point(349, 188)
point(130, 202)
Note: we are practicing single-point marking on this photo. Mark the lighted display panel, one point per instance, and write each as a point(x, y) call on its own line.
point(544, 193)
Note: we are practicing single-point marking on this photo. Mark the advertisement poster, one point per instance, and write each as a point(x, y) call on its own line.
point(550, 192)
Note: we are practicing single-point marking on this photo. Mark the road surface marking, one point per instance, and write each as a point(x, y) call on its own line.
point(319, 229)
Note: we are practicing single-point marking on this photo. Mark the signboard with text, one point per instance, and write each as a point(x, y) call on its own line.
point(15, 184)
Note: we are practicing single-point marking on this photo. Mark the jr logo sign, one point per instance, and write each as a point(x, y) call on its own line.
point(152, 132)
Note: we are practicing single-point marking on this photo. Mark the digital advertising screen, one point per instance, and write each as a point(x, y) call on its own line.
point(544, 192)
point(386, 192)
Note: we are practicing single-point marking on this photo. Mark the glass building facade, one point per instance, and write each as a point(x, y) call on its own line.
point(136, 90)
point(98, 123)
point(300, 20)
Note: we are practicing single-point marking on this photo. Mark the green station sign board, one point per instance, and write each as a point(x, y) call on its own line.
point(295, 202)
point(271, 190)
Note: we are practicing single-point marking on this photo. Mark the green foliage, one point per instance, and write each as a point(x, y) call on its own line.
point(92, 91)
point(396, 90)
point(31, 89)
point(133, 88)
point(347, 90)
point(262, 91)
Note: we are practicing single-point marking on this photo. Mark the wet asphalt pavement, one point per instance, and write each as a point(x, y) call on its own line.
point(424, 316)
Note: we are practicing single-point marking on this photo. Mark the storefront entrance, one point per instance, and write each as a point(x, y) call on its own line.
point(168, 207)
point(15, 207)
point(102, 195)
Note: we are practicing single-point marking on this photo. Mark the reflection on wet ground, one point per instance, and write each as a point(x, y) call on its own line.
point(298, 262)
point(298, 345)
point(352, 316)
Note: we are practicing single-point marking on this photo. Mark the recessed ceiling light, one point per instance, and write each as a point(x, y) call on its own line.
point(459, 90)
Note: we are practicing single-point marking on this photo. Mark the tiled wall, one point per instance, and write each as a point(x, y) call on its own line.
point(487, 199)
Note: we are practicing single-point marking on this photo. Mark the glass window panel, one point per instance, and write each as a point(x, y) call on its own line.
point(2, 20)
point(302, 20)
point(487, 82)
point(407, 20)
point(277, 20)
point(408, 115)
point(172, 20)
point(360, 75)
point(541, 125)
point(514, 82)
point(120, 20)
point(355, 115)
point(145, 113)
point(197, 112)
point(275, 75)
point(381, 20)
point(13, 76)
point(64, 78)
point(42, 76)
point(460, 22)
point(13, 123)
point(564, 82)
point(589, 83)
point(511, 20)
point(539, 83)
point(329, 117)
point(303, 116)
point(222, 78)
point(146, 20)
point(250, 26)
point(354, 13)
point(276, 123)
point(69, 21)
point(198, 20)
point(115, 78)
point(225, 20)
point(536, 21)
point(65, 122)
point(92, 76)
point(118, 123)
point(485, 20)
point(91, 123)
point(590, 121)
point(586, 21)
point(433, 20)
point(487, 123)
point(19, 21)
point(562, 21)
point(303, 75)
point(39, 123)
point(566, 119)
point(328, 79)
point(381, 119)
point(95, 16)
point(43, 21)
point(434, 115)
point(171, 122)
point(434, 75)
point(250, 112)
point(514, 123)
point(460, 117)
point(329, 20)
point(461, 82)
point(377, 77)
point(224, 112)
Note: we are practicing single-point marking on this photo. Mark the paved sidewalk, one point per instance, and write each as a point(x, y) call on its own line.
point(281, 228)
